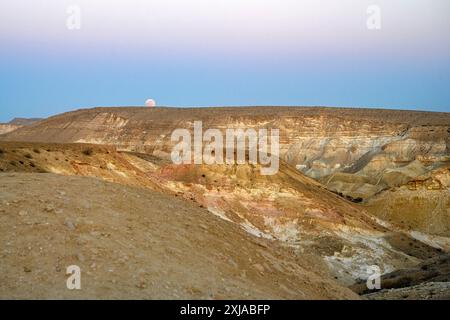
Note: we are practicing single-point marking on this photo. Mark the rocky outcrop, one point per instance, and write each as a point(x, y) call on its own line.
point(132, 243)
point(421, 204)
point(428, 280)
point(288, 207)
point(15, 124)
point(378, 148)
point(392, 163)
point(6, 127)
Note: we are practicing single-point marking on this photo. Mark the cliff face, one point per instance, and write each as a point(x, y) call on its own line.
point(422, 204)
point(6, 127)
point(287, 207)
point(393, 164)
point(374, 149)
point(356, 153)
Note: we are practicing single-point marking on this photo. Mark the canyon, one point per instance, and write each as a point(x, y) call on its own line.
point(354, 188)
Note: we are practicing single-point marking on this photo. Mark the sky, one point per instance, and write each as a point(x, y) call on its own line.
point(223, 53)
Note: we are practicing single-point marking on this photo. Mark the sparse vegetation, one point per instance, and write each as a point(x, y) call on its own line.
point(28, 156)
point(403, 282)
point(36, 150)
point(88, 151)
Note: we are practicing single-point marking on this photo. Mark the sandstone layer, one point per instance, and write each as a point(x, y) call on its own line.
point(135, 243)
point(354, 188)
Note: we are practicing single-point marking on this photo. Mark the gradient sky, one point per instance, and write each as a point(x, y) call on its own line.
point(230, 52)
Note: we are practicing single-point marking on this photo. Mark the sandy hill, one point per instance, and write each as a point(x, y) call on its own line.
point(135, 243)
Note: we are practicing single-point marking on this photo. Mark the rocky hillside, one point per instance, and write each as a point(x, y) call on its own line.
point(287, 207)
point(354, 188)
point(356, 153)
point(320, 142)
point(135, 243)
point(15, 124)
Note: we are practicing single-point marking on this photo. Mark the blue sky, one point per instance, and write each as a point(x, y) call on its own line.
point(215, 53)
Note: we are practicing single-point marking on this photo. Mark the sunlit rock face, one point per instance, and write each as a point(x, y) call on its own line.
point(5, 128)
point(15, 124)
point(288, 207)
point(353, 185)
point(355, 152)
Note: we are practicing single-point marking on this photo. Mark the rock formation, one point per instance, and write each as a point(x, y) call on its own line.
point(355, 187)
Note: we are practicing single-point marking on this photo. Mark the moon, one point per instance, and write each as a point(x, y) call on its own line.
point(150, 103)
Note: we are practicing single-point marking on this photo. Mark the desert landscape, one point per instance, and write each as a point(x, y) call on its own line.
point(97, 188)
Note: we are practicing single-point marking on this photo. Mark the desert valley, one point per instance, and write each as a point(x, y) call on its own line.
point(356, 189)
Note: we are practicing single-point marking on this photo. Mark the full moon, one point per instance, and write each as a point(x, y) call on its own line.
point(150, 103)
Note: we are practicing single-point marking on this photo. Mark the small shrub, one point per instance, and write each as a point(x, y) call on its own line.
point(35, 150)
point(13, 163)
point(404, 282)
point(28, 156)
point(32, 164)
point(88, 151)
point(2, 151)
